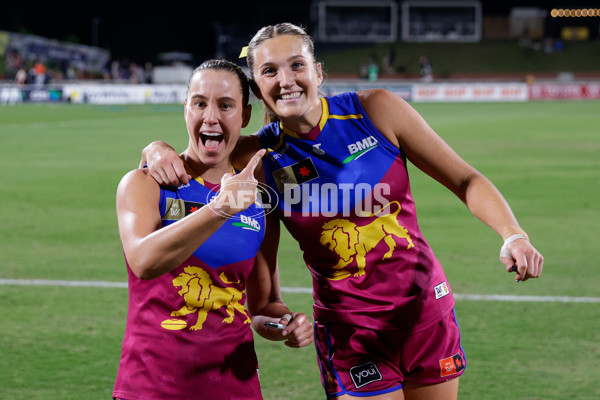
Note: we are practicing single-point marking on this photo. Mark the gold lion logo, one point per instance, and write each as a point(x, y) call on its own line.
point(202, 296)
point(351, 242)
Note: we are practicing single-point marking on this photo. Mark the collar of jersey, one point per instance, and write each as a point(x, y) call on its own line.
point(312, 135)
point(201, 180)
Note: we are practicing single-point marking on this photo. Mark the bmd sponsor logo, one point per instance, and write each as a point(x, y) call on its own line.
point(248, 223)
point(360, 148)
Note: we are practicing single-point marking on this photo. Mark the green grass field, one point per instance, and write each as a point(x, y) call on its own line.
point(61, 164)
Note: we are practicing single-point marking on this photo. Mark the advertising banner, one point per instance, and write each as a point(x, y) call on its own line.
point(333, 87)
point(450, 92)
point(41, 95)
point(572, 91)
point(124, 94)
point(10, 95)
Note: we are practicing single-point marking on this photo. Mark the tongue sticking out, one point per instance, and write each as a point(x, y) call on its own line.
point(212, 144)
point(211, 141)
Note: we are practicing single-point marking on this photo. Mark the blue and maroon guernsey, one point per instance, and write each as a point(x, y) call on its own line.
point(188, 332)
point(344, 195)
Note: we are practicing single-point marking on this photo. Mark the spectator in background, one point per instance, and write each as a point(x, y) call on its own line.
point(426, 70)
point(548, 45)
point(148, 73)
point(388, 61)
point(364, 71)
point(40, 73)
point(71, 73)
point(21, 76)
point(115, 70)
point(13, 63)
point(136, 74)
point(373, 72)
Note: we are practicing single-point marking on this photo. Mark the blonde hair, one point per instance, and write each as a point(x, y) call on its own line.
point(269, 32)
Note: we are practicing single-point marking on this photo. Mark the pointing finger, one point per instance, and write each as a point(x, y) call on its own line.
point(253, 162)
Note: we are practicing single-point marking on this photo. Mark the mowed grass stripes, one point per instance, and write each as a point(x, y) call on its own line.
point(61, 164)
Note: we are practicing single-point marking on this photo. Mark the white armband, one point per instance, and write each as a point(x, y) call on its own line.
point(504, 251)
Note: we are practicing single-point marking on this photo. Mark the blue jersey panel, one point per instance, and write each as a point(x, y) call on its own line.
point(237, 240)
point(321, 175)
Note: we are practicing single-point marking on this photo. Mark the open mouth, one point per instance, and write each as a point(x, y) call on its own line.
point(211, 140)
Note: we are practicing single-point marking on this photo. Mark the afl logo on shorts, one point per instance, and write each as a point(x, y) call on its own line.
point(364, 374)
point(452, 365)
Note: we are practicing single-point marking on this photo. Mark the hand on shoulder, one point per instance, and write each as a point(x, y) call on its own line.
point(164, 164)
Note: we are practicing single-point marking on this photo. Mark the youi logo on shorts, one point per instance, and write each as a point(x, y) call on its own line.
point(360, 148)
point(364, 374)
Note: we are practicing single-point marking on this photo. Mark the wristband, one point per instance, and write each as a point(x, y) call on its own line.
point(504, 251)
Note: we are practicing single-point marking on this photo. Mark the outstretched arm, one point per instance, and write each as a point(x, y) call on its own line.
point(405, 128)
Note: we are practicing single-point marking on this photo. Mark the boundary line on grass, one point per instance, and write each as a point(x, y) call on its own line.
point(457, 296)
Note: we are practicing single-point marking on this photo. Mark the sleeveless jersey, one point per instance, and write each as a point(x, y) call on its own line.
point(344, 195)
point(188, 333)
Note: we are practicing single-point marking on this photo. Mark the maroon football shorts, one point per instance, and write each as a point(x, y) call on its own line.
point(355, 360)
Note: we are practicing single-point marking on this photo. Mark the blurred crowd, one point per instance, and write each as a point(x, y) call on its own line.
point(45, 71)
point(125, 71)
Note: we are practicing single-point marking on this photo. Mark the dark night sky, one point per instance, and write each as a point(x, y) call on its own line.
point(142, 31)
point(139, 32)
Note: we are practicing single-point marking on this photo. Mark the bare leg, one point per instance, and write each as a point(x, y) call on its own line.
point(397, 395)
point(442, 391)
point(412, 391)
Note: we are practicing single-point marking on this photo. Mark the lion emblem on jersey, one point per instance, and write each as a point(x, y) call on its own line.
point(202, 296)
point(352, 243)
